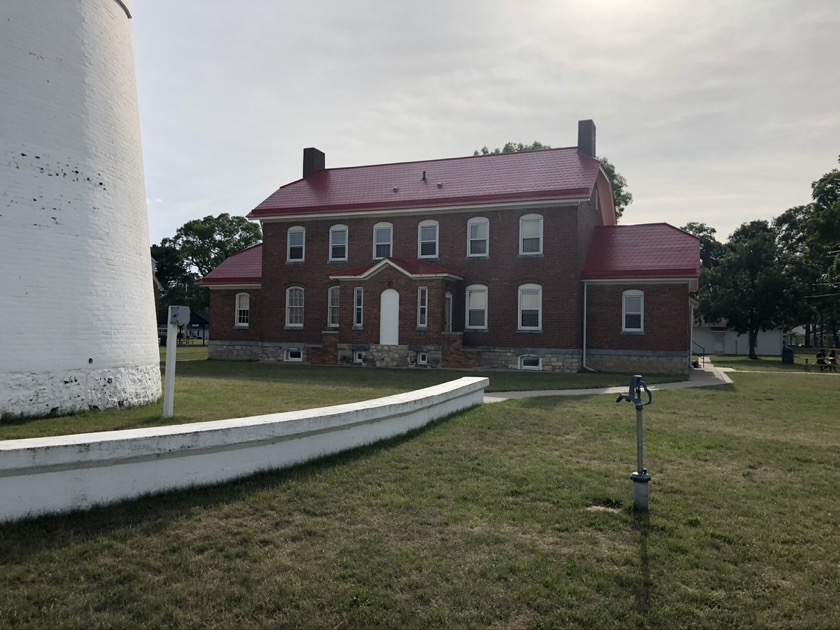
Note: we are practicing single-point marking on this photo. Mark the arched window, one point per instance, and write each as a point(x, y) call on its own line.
point(530, 307)
point(427, 239)
point(476, 317)
point(531, 235)
point(242, 311)
point(478, 236)
point(633, 311)
point(383, 238)
point(294, 307)
point(338, 242)
point(296, 244)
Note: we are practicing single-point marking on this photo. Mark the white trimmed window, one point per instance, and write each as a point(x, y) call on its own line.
point(338, 242)
point(333, 306)
point(427, 239)
point(530, 362)
point(633, 311)
point(294, 307)
point(295, 244)
point(447, 312)
point(422, 307)
point(478, 236)
point(293, 355)
point(476, 307)
point(358, 307)
point(531, 235)
point(243, 311)
point(530, 307)
point(383, 238)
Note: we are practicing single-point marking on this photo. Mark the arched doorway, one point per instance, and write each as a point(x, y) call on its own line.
point(389, 318)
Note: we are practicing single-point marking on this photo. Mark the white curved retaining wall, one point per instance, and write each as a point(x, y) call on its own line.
point(76, 303)
point(58, 474)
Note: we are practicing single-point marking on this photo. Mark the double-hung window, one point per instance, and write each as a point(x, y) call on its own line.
point(296, 244)
point(333, 306)
point(476, 307)
point(427, 239)
point(358, 307)
point(294, 307)
point(530, 307)
point(422, 307)
point(338, 242)
point(478, 236)
point(243, 310)
point(633, 311)
point(531, 235)
point(383, 237)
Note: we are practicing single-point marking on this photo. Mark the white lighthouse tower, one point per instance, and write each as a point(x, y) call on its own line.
point(77, 321)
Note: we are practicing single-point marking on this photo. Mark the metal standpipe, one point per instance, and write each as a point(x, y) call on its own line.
point(640, 478)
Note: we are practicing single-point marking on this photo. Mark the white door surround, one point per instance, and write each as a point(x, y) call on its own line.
point(389, 318)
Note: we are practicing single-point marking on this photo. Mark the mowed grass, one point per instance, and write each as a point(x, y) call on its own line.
point(218, 390)
point(511, 515)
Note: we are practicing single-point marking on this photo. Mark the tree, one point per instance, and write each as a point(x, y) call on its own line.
point(621, 196)
point(747, 287)
point(198, 247)
point(711, 250)
point(206, 243)
point(824, 225)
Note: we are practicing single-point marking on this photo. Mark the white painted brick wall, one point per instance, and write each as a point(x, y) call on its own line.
point(76, 292)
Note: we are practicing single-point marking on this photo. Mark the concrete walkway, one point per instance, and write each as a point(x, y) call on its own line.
point(699, 377)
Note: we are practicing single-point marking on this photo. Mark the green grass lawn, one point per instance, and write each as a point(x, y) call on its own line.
point(217, 390)
point(511, 515)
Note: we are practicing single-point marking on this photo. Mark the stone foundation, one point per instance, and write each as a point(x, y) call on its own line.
point(666, 363)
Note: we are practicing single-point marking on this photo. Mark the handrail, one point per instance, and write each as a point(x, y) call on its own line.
point(702, 352)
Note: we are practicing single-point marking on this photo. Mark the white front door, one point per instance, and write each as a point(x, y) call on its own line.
point(389, 318)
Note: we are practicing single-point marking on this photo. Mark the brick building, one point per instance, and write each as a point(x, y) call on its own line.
point(509, 261)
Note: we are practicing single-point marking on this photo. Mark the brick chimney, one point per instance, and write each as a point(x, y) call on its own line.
point(586, 137)
point(313, 161)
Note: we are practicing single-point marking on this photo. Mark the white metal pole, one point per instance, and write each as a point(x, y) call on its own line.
point(169, 382)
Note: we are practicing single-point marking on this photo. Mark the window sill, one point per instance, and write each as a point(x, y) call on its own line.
point(293, 328)
point(529, 330)
point(534, 255)
point(480, 330)
point(241, 326)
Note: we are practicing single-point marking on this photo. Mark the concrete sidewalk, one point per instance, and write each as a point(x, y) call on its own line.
point(698, 377)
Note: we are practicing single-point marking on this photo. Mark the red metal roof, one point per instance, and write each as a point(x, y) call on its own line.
point(555, 174)
point(413, 268)
point(242, 268)
point(647, 251)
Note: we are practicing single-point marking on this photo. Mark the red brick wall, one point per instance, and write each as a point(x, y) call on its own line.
point(666, 318)
point(222, 305)
point(557, 270)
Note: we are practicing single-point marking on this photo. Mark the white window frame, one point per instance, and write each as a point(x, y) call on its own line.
point(389, 243)
point(422, 358)
point(358, 356)
point(422, 307)
point(240, 313)
point(524, 357)
point(293, 355)
point(530, 219)
point(447, 312)
point(335, 229)
point(358, 307)
point(420, 241)
point(633, 293)
point(476, 289)
point(333, 306)
point(530, 289)
point(296, 307)
point(295, 230)
point(478, 221)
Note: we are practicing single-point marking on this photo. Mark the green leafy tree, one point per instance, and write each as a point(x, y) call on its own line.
point(711, 250)
point(747, 287)
point(621, 196)
point(198, 247)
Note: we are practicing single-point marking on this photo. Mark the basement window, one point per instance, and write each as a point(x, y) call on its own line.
point(359, 356)
point(530, 362)
point(293, 355)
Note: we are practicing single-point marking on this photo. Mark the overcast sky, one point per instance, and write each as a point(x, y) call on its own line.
point(720, 112)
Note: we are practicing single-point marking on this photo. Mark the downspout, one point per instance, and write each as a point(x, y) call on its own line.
point(583, 357)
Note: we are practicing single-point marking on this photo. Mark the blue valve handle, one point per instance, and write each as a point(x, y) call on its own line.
point(634, 394)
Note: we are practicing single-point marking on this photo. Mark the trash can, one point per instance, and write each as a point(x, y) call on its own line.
point(787, 355)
